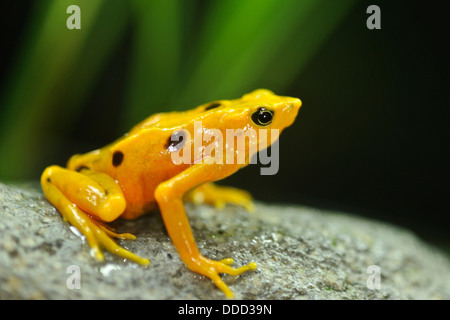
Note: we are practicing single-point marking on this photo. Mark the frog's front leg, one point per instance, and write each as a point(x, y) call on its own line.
point(219, 196)
point(169, 196)
point(85, 199)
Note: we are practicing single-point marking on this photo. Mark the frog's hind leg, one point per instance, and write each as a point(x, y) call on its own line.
point(85, 199)
point(219, 196)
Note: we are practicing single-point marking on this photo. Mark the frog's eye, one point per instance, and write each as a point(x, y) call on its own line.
point(176, 141)
point(262, 117)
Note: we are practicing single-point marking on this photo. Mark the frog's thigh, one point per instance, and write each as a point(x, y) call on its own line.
point(94, 192)
point(78, 196)
point(219, 196)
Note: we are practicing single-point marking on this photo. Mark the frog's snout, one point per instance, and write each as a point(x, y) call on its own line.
point(295, 104)
point(292, 106)
point(290, 110)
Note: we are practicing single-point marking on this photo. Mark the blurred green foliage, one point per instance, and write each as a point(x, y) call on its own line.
point(183, 53)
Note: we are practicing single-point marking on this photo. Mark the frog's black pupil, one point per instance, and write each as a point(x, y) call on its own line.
point(265, 117)
point(262, 117)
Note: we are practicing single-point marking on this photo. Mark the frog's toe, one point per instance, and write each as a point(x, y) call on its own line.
point(219, 204)
point(227, 261)
point(212, 269)
point(237, 197)
point(248, 205)
point(112, 233)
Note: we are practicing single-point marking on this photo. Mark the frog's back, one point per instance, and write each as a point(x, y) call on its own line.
point(145, 163)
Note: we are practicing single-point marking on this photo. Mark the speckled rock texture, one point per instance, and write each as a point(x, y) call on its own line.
point(302, 253)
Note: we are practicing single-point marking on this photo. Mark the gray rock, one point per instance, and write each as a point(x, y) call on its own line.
point(302, 253)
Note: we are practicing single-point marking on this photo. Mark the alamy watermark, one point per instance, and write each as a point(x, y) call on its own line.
point(74, 20)
point(74, 280)
point(374, 20)
point(374, 280)
point(208, 146)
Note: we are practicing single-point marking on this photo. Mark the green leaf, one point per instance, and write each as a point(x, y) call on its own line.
point(54, 70)
point(156, 58)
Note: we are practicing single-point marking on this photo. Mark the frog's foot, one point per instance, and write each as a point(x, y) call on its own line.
point(211, 269)
point(86, 199)
point(219, 196)
point(99, 236)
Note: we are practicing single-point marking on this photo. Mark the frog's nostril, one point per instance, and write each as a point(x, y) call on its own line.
point(293, 103)
point(289, 107)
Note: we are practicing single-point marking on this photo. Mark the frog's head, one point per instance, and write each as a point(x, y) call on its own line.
point(257, 111)
point(260, 109)
point(269, 111)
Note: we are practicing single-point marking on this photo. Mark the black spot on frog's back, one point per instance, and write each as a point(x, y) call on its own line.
point(176, 140)
point(117, 158)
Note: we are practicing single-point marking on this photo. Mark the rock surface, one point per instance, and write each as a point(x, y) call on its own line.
point(302, 253)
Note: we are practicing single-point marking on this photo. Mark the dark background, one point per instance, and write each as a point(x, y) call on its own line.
point(372, 134)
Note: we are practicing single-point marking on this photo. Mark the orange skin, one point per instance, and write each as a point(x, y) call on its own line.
point(128, 177)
